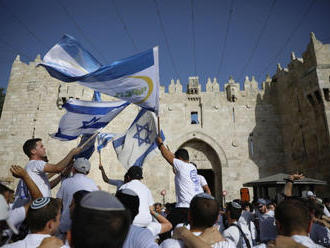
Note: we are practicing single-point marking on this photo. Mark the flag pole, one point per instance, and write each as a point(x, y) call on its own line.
point(90, 138)
point(100, 161)
point(158, 122)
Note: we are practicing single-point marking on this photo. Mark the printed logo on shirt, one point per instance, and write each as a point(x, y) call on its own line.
point(194, 179)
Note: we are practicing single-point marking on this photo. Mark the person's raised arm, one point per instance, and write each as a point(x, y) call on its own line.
point(104, 176)
point(57, 168)
point(166, 225)
point(289, 183)
point(19, 172)
point(167, 154)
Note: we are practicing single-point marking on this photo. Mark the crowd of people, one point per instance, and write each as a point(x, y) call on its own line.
point(82, 215)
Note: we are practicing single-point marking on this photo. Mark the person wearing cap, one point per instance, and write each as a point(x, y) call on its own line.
point(37, 169)
point(100, 220)
point(186, 180)
point(203, 214)
point(266, 222)
point(237, 232)
point(202, 181)
point(43, 218)
point(134, 176)
point(79, 181)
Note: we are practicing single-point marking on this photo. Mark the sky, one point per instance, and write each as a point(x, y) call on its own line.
point(205, 38)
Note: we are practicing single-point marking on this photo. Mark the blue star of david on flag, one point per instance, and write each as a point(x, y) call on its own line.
point(140, 133)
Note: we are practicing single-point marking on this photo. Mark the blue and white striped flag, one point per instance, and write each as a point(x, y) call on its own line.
point(134, 79)
point(139, 140)
point(103, 139)
point(86, 117)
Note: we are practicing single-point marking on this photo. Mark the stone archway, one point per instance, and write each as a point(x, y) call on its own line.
point(206, 158)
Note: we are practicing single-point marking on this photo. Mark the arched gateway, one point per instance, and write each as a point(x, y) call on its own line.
point(209, 157)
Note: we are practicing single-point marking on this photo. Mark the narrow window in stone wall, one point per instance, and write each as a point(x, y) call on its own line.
point(318, 96)
point(194, 118)
point(326, 94)
point(233, 114)
point(311, 100)
point(251, 145)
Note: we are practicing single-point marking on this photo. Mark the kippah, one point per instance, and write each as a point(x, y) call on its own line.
point(205, 196)
point(236, 205)
point(40, 202)
point(262, 201)
point(101, 200)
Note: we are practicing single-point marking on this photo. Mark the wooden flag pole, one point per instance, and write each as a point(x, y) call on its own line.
point(89, 139)
point(158, 126)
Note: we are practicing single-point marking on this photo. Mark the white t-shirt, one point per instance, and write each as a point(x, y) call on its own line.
point(202, 180)
point(139, 237)
point(117, 183)
point(30, 241)
point(320, 235)
point(68, 187)
point(306, 241)
point(35, 169)
point(155, 228)
point(234, 235)
point(187, 183)
point(267, 226)
point(16, 216)
point(144, 217)
point(173, 243)
point(247, 219)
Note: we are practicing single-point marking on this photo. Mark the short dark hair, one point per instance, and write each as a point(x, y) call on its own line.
point(182, 153)
point(130, 202)
point(235, 212)
point(99, 228)
point(293, 215)
point(77, 196)
point(37, 219)
point(203, 212)
point(29, 145)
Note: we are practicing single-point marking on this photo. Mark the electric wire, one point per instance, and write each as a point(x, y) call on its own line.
point(80, 29)
point(258, 39)
point(122, 21)
point(162, 28)
point(226, 37)
point(291, 35)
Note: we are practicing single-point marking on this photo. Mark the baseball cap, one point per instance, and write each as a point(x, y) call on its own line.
point(135, 172)
point(101, 200)
point(261, 201)
point(4, 213)
point(82, 165)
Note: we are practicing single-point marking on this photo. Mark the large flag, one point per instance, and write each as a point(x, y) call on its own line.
point(139, 140)
point(134, 79)
point(86, 117)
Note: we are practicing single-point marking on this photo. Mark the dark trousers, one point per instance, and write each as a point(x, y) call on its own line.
point(176, 216)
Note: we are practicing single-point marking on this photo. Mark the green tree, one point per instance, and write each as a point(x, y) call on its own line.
point(2, 98)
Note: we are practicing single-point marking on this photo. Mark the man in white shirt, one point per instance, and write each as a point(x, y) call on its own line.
point(203, 182)
point(37, 169)
point(187, 183)
point(267, 226)
point(237, 232)
point(203, 214)
point(79, 181)
point(294, 220)
point(43, 218)
point(134, 175)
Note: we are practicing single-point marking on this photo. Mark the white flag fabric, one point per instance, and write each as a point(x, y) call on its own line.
point(134, 79)
point(139, 140)
point(86, 117)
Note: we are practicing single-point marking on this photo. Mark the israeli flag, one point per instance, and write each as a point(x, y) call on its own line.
point(86, 117)
point(103, 139)
point(139, 140)
point(134, 79)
